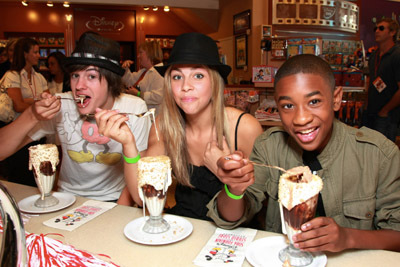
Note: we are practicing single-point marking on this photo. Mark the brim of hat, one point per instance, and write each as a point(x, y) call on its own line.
point(101, 63)
point(223, 70)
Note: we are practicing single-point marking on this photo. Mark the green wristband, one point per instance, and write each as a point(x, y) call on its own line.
point(232, 195)
point(131, 160)
point(138, 93)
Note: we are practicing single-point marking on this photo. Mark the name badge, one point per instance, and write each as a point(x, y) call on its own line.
point(379, 84)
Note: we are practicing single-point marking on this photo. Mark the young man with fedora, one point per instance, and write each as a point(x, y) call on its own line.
point(195, 127)
point(92, 164)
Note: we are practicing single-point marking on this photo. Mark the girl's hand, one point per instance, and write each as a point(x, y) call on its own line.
point(213, 153)
point(112, 124)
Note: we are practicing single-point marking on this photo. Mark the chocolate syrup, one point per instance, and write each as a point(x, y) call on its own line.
point(301, 213)
point(46, 168)
point(150, 191)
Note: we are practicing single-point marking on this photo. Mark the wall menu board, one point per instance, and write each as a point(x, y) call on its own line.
point(336, 14)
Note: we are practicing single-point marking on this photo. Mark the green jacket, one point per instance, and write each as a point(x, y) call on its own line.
point(360, 171)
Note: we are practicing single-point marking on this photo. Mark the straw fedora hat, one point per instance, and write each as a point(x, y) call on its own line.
point(195, 48)
point(94, 49)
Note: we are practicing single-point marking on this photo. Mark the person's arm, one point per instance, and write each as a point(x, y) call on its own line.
point(112, 124)
point(393, 103)
point(234, 170)
point(14, 135)
point(19, 103)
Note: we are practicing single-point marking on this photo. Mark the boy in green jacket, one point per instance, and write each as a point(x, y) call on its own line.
point(359, 205)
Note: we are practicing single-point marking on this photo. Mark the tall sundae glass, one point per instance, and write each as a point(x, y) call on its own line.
point(43, 160)
point(154, 177)
point(298, 197)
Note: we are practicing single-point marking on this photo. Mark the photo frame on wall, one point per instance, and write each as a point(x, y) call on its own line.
point(241, 51)
point(266, 31)
point(241, 22)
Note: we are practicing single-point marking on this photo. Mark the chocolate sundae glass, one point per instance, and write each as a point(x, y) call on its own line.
point(298, 197)
point(43, 160)
point(154, 177)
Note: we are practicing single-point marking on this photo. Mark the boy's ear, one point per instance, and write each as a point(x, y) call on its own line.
point(337, 98)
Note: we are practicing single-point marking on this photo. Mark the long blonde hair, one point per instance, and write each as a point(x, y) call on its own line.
point(172, 125)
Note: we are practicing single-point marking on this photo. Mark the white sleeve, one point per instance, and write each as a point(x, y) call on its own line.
point(12, 79)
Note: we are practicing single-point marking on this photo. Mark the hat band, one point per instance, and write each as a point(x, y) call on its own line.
point(90, 55)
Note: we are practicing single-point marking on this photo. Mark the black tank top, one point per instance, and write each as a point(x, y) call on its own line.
point(191, 202)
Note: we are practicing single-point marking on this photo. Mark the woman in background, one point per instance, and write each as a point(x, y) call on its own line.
point(23, 82)
point(147, 83)
point(58, 81)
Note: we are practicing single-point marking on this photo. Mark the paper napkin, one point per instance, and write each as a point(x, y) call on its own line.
point(227, 247)
point(76, 217)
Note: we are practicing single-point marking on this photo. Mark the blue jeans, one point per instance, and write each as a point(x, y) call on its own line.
point(384, 125)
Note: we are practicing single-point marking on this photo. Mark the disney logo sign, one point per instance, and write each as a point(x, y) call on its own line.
point(103, 25)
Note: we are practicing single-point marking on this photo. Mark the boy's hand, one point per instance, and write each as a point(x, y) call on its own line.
point(322, 234)
point(46, 108)
point(112, 124)
point(236, 172)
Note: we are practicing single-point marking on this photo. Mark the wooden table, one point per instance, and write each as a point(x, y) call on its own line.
point(104, 235)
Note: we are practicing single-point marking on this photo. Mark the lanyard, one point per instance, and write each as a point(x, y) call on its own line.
point(33, 90)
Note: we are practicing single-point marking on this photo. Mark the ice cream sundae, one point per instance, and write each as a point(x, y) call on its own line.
point(43, 160)
point(298, 196)
point(154, 177)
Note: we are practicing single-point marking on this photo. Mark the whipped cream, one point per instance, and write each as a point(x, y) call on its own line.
point(297, 185)
point(154, 171)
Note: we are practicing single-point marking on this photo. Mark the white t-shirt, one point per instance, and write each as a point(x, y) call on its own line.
point(92, 165)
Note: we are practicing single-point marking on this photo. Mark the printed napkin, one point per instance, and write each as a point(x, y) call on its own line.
point(226, 247)
point(76, 217)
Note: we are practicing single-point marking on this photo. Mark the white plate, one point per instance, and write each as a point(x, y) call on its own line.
point(264, 252)
point(65, 200)
point(179, 229)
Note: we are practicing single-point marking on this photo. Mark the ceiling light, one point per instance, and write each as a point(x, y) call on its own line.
point(50, 4)
point(66, 4)
point(155, 8)
point(166, 8)
point(146, 8)
point(24, 3)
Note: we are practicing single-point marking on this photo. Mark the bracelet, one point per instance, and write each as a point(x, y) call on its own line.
point(138, 93)
point(131, 160)
point(232, 195)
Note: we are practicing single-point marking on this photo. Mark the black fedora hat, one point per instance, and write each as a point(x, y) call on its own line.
point(195, 48)
point(94, 49)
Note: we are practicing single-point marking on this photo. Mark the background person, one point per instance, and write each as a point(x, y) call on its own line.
point(147, 83)
point(195, 127)
point(383, 110)
point(24, 83)
point(5, 66)
point(58, 81)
